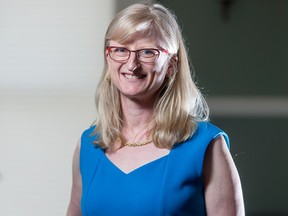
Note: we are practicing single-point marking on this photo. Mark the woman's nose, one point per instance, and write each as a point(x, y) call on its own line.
point(133, 61)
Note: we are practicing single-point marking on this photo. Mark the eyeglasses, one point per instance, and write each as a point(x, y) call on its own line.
point(122, 54)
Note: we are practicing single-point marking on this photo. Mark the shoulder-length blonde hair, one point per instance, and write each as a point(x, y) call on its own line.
point(180, 104)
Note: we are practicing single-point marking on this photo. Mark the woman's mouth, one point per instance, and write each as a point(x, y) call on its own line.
point(134, 76)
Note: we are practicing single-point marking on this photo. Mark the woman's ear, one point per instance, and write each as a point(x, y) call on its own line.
point(173, 63)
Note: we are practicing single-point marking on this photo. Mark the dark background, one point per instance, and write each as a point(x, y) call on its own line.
point(242, 50)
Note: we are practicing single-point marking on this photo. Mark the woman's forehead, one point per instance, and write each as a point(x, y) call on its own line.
point(139, 39)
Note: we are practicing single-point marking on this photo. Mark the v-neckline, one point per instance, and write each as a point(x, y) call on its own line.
point(137, 168)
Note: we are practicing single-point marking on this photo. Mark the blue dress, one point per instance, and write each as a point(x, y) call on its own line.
point(170, 185)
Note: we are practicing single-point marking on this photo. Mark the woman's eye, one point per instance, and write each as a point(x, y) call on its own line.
point(148, 52)
point(120, 50)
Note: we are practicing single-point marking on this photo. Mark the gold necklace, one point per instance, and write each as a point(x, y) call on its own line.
point(139, 143)
point(135, 144)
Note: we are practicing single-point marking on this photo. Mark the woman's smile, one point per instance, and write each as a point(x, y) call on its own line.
point(134, 76)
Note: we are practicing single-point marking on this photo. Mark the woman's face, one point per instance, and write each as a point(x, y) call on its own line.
point(135, 79)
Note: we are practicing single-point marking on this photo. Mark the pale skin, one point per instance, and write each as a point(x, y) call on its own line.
point(223, 193)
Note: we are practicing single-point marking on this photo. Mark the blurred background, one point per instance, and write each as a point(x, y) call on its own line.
point(50, 63)
point(239, 50)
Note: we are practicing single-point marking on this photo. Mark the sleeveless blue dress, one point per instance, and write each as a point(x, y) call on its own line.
point(170, 185)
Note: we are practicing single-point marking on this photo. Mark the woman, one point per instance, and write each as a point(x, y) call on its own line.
point(151, 151)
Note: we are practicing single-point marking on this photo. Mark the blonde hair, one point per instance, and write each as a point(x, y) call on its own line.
point(180, 104)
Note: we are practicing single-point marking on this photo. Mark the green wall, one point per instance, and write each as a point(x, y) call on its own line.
point(259, 148)
point(245, 55)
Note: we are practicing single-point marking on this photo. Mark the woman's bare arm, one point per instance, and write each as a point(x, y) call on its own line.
point(223, 191)
point(76, 192)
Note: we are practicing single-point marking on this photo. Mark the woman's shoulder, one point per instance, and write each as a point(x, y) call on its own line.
point(207, 130)
point(89, 131)
point(206, 125)
point(88, 138)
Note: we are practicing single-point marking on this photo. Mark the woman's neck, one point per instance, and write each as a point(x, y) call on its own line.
point(136, 113)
